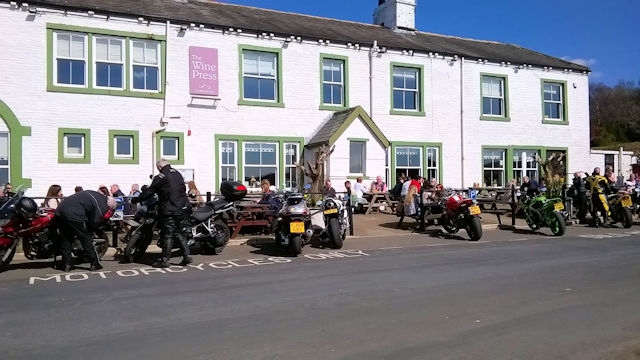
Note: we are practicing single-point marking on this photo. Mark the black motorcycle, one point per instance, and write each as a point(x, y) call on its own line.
point(141, 230)
point(207, 226)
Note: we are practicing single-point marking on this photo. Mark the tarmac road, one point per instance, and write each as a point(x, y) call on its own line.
point(513, 295)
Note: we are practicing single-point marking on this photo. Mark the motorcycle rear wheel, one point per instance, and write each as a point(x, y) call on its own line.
point(296, 245)
point(474, 228)
point(6, 255)
point(334, 233)
point(557, 224)
point(448, 225)
point(101, 246)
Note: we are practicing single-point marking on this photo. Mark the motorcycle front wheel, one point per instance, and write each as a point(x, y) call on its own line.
point(6, 255)
point(137, 244)
point(627, 218)
point(448, 225)
point(557, 224)
point(333, 229)
point(474, 228)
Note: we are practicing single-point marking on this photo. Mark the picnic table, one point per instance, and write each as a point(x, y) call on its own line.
point(252, 214)
point(498, 202)
point(377, 200)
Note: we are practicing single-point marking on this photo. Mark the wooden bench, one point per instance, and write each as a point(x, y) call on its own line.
point(495, 204)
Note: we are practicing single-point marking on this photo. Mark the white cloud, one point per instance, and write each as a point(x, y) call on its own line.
point(583, 62)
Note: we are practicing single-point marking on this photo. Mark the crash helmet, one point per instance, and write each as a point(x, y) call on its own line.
point(27, 208)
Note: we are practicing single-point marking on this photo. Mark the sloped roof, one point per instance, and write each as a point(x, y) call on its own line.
point(221, 15)
point(331, 130)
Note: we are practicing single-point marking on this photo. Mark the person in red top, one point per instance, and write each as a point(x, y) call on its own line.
point(415, 180)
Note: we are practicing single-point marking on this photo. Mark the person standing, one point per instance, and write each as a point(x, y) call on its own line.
point(580, 196)
point(78, 216)
point(529, 186)
point(173, 208)
point(599, 187)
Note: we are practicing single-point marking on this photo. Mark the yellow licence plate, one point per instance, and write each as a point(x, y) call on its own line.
point(331, 211)
point(558, 206)
point(296, 227)
point(474, 210)
point(626, 201)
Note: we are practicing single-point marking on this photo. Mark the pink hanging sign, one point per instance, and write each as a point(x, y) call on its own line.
point(203, 71)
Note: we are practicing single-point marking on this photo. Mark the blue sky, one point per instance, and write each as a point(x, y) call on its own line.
point(604, 35)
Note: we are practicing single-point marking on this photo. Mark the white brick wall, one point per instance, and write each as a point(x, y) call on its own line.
point(23, 73)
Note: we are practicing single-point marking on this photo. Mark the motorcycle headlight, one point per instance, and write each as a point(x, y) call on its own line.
point(330, 204)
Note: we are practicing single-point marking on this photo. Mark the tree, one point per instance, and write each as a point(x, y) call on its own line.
point(315, 171)
point(554, 171)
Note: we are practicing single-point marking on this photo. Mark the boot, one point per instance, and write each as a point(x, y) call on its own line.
point(186, 260)
point(95, 267)
point(164, 262)
point(161, 264)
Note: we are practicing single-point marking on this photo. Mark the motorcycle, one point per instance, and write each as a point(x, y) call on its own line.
point(620, 205)
point(141, 230)
point(292, 228)
point(542, 212)
point(22, 221)
point(336, 221)
point(461, 212)
point(207, 225)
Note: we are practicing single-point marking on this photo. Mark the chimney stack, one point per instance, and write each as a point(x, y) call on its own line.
point(396, 14)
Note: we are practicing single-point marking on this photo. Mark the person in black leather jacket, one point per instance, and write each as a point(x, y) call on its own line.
point(173, 209)
point(78, 216)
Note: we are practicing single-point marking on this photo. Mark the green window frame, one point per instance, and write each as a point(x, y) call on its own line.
point(401, 86)
point(554, 102)
point(258, 75)
point(494, 93)
point(332, 67)
point(430, 157)
point(282, 162)
point(179, 137)
point(63, 135)
point(92, 62)
point(134, 157)
point(510, 168)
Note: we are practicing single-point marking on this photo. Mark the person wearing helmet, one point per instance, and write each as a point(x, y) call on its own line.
point(78, 216)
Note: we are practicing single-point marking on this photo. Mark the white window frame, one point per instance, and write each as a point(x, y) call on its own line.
point(232, 161)
point(109, 59)
point(333, 65)
point(146, 63)
point(554, 87)
point(409, 167)
point(276, 166)
point(487, 92)
point(73, 155)
point(116, 147)
point(529, 164)
point(501, 168)
point(291, 151)
point(432, 169)
point(406, 91)
point(70, 56)
point(260, 75)
point(164, 139)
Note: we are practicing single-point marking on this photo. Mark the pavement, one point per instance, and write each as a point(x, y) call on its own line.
point(370, 225)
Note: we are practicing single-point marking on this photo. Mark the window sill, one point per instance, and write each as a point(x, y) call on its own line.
point(83, 90)
point(260, 103)
point(495, 118)
point(407, 113)
point(333, 107)
point(555, 122)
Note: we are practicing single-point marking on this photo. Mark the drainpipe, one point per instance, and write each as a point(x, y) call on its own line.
point(164, 105)
point(373, 50)
point(462, 122)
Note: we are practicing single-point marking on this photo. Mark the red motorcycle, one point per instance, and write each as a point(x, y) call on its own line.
point(22, 221)
point(461, 212)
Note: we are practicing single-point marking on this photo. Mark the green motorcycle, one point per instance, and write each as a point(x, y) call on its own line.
point(542, 212)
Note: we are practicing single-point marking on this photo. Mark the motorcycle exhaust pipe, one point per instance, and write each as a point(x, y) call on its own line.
point(308, 234)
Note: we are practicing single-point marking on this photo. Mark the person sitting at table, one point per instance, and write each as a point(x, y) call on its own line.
point(359, 190)
point(378, 185)
point(327, 190)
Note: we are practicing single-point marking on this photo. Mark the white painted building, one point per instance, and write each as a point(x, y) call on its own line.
point(95, 94)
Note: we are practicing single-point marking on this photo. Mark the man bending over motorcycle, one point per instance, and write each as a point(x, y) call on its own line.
point(78, 216)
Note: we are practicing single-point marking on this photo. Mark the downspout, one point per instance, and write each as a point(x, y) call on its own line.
point(374, 48)
point(461, 122)
point(164, 103)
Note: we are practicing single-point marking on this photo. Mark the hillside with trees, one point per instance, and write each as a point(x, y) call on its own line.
point(615, 116)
